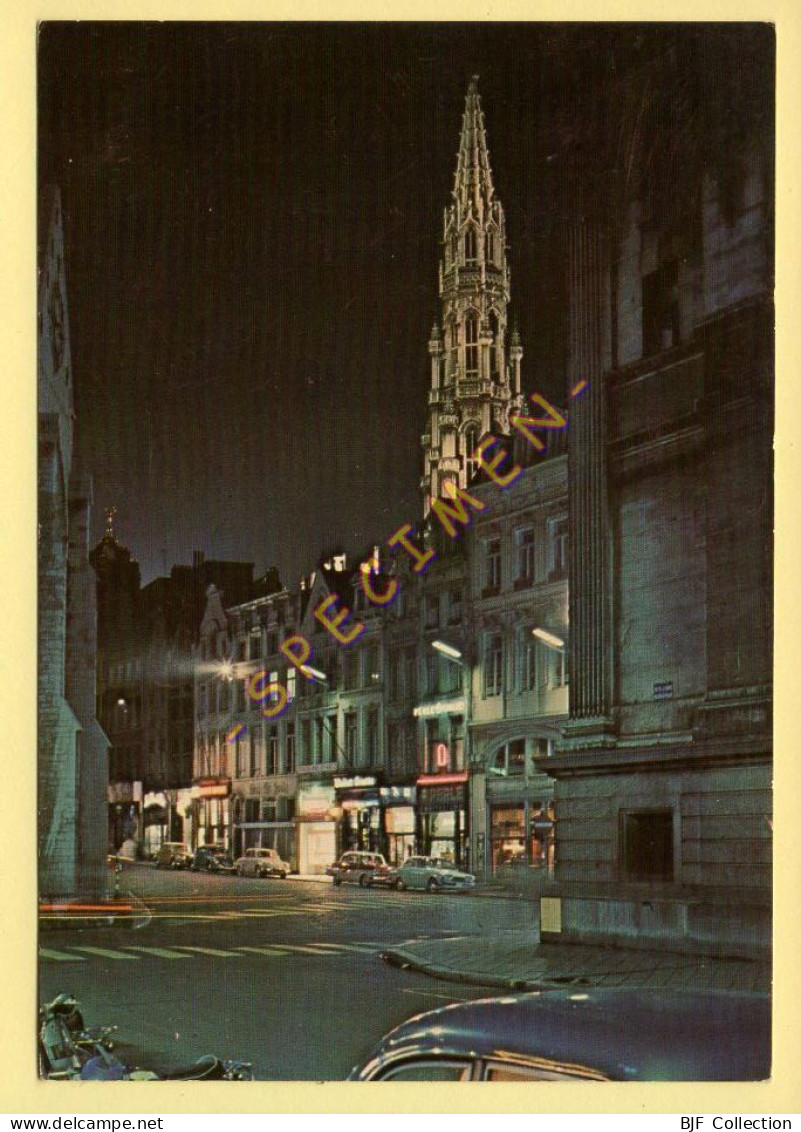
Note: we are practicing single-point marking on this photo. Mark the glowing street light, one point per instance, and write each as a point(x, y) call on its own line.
point(447, 650)
point(315, 673)
point(226, 670)
point(548, 638)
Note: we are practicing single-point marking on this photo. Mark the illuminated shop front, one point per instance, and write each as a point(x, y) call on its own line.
point(265, 823)
point(316, 828)
point(519, 808)
point(398, 803)
point(361, 826)
point(442, 816)
point(213, 801)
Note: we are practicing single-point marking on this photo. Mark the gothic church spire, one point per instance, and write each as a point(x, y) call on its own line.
point(475, 377)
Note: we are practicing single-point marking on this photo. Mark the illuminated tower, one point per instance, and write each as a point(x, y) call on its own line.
point(475, 363)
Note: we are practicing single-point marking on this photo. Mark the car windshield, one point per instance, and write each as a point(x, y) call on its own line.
point(441, 863)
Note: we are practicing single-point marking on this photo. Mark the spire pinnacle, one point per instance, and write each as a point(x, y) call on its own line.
point(473, 173)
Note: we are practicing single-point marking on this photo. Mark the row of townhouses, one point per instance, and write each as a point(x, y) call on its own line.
point(580, 680)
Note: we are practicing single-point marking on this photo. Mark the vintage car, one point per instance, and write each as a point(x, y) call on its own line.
point(592, 1035)
point(434, 874)
point(173, 855)
point(355, 867)
point(262, 863)
point(212, 859)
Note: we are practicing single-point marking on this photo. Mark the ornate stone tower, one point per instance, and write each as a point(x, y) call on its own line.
point(475, 365)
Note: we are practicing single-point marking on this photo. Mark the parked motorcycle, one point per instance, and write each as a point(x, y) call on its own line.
point(71, 1051)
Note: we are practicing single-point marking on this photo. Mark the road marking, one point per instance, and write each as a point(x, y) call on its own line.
point(265, 950)
point(161, 952)
point(210, 951)
point(106, 954)
point(60, 956)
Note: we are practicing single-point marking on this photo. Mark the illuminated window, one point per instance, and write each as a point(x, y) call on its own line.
point(558, 547)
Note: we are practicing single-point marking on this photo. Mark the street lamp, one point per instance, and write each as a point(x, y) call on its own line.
point(315, 673)
point(449, 651)
point(548, 639)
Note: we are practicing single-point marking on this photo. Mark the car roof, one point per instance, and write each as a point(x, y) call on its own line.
point(626, 1035)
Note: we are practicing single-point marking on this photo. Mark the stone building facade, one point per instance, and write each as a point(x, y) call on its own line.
point(72, 748)
point(663, 795)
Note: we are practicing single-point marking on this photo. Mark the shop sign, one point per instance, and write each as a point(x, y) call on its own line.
point(314, 805)
point(438, 707)
point(213, 788)
point(441, 799)
point(356, 799)
point(398, 795)
point(120, 792)
point(356, 782)
point(442, 779)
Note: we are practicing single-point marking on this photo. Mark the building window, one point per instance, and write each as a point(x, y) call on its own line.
point(510, 758)
point(471, 345)
point(470, 245)
point(524, 552)
point(457, 742)
point(647, 844)
point(432, 611)
point(242, 649)
point(454, 607)
point(410, 672)
point(372, 737)
point(291, 684)
point(561, 672)
point(490, 246)
point(557, 547)
point(432, 748)
point(290, 748)
point(492, 565)
point(372, 670)
point(240, 695)
point(272, 751)
point(493, 664)
point(350, 662)
point(255, 646)
point(432, 674)
point(394, 675)
point(350, 737)
point(253, 754)
point(320, 738)
point(660, 308)
point(306, 752)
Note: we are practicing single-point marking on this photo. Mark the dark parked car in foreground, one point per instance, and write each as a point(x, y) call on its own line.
point(593, 1035)
point(212, 859)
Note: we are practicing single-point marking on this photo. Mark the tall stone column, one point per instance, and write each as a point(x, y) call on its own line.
point(590, 647)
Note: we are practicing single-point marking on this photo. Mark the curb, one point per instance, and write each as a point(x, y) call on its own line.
point(396, 957)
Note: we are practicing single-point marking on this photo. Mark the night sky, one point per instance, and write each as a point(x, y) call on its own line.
point(253, 215)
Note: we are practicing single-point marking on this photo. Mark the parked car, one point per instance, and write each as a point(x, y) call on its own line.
point(384, 875)
point(434, 874)
point(173, 855)
point(355, 867)
point(212, 859)
point(262, 863)
point(596, 1035)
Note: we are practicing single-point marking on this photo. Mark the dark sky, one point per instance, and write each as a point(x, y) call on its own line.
point(253, 215)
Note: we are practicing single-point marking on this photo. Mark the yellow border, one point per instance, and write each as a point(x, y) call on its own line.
point(19, 1092)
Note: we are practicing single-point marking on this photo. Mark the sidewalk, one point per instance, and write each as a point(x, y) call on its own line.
point(516, 960)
